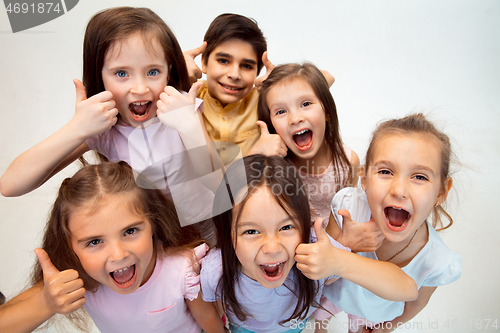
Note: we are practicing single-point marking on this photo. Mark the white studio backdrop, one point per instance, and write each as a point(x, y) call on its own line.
point(389, 58)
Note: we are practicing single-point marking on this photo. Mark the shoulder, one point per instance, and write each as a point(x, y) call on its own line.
point(203, 91)
point(439, 265)
point(210, 275)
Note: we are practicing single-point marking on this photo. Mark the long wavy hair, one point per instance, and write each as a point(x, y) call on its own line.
point(274, 173)
point(312, 76)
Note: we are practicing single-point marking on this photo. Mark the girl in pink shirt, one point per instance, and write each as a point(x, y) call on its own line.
point(118, 250)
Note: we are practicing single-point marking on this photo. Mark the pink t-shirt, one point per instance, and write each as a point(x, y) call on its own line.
point(322, 187)
point(157, 306)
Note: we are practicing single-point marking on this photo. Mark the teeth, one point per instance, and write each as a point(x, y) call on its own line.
point(140, 103)
point(230, 88)
point(123, 269)
point(301, 132)
point(273, 265)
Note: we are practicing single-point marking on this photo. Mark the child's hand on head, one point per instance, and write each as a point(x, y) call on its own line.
point(359, 237)
point(62, 291)
point(269, 68)
point(194, 72)
point(94, 115)
point(176, 110)
point(317, 260)
point(268, 144)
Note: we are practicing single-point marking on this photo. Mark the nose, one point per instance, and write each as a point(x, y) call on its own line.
point(118, 252)
point(296, 117)
point(139, 87)
point(272, 246)
point(234, 72)
point(399, 189)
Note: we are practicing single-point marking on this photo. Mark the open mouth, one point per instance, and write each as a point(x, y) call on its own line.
point(140, 110)
point(397, 218)
point(273, 271)
point(303, 139)
point(124, 277)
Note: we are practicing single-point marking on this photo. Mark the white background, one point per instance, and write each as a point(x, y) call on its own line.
point(389, 58)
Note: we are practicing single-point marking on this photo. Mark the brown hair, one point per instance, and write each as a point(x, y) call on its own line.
point(93, 184)
point(313, 76)
point(274, 173)
point(115, 24)
point(233, 26)
point(417, 123)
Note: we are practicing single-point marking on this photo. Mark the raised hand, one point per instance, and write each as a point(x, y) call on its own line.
point(269, 68)
point(194, 72)
point(63, 291)
point(268, 144)
point(360, 237)
point(94, 115)
point(316, 260)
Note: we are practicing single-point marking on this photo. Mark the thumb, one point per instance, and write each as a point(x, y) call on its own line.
point(80, 91)
point(198, 50)
point(48, 267)
point(263, 128)
point(265, 60)
point(346, 216)
point(320, 231)
point(193, 91)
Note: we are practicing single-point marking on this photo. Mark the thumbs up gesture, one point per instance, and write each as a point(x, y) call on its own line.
point(194, 72)
point(268, 144)
point(359, 237)
point(269, 68)
point(94, 115)
point(63, 291)
point(317, 260)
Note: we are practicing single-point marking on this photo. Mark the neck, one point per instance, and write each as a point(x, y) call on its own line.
point(315, 165)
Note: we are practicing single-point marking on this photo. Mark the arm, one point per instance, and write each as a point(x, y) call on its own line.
point(35, 166)
point(359, 237)
point(322, 259)
point(354, 169)
point(59, 292)
point(206, 315)
point(411, 309)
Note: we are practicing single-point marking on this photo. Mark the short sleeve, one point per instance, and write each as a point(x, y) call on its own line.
point(447, 275)
point(211, 272)
point(192, 281)
point(334, 243)
point(352, 199)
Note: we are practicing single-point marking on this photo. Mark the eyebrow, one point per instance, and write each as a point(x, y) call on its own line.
point(89, 238)
point(251, 223)
point(227, 55)
point(418, 166)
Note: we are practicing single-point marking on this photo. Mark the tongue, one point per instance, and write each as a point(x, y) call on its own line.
point(396, 217)
point(139, 109)
point(125, 275)
point(303, 139)
point(272, 271)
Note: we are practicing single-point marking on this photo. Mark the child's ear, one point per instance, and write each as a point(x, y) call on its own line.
point(203, 65)
point(443, 193)
point(362, 175)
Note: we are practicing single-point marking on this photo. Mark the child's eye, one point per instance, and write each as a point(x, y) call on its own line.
point(287, 227)
point(121, 73)
point(94, 242)
point(223, 61)
point(131, 231)
point(420, 177)
point(247, 66)
point(280, 112)
point(306, 104)
point(153, 72)
point(250, 232)
point(384, 172)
